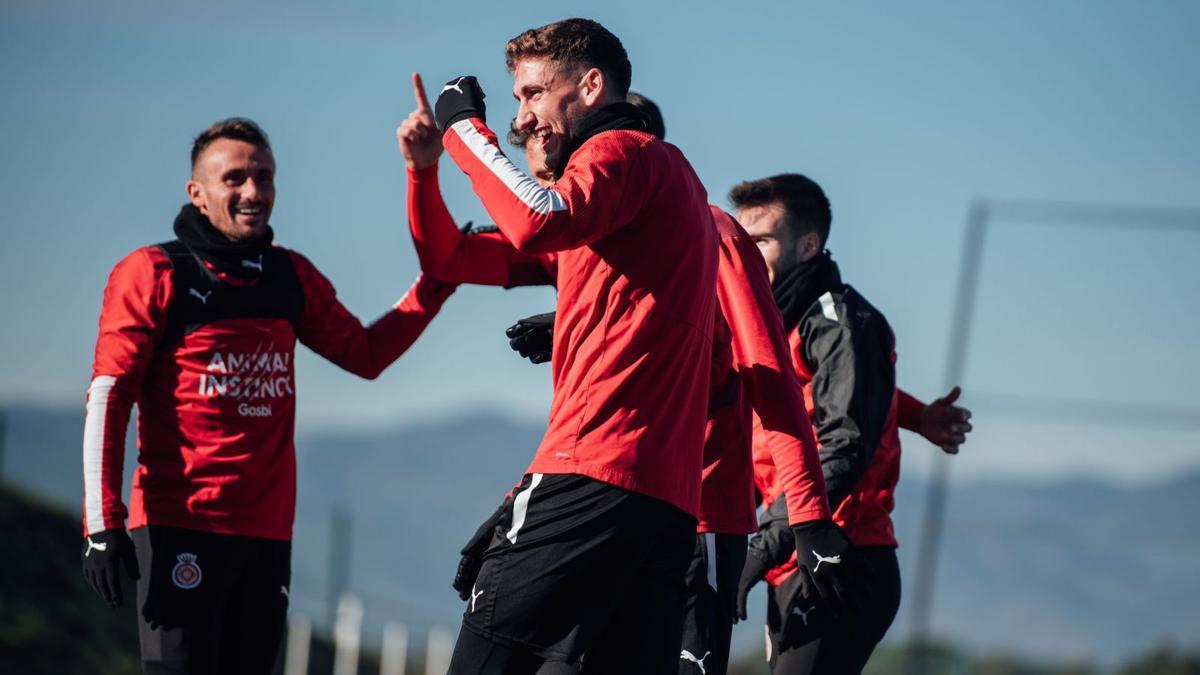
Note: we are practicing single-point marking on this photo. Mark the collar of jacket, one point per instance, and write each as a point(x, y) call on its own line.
point(798, 288)
point(226, 257)
point(620, 115)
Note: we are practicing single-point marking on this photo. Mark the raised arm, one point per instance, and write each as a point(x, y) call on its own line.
point(445, 252)
point(329, 329)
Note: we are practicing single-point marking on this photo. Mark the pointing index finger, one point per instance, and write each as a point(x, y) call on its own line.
point(419, 92)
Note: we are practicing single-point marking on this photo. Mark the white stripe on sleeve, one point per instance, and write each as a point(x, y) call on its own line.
point(827, 306)
point(93, 451)
point(521, 507)
point(528, 190)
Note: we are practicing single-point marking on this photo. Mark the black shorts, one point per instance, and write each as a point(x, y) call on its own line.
point(812, 643)
point(210, 603)
point(587, 571)
point(712, 582)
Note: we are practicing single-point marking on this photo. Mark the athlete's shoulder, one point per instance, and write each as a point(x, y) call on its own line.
point(727, 226)
point(144, 264)
point(615, 145)
point(299, 261)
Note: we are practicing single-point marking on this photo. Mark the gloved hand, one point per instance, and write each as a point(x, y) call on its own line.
point(831, 569)
point(770, 548)
point(472, 553)
point(103, 555)
point(533, 337)
point(460, 99)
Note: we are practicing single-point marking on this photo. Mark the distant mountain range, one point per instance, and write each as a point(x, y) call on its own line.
point(1079, 570)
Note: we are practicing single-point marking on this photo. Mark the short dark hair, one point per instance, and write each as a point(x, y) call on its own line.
point(654, 118)
point(803, 201)
point(578, 42)
point(237, 128)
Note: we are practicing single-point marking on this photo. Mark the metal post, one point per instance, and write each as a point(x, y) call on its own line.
point(394, 657)
point(299, 639)
point(347, 635)
point(3, 438)
point(935, 500)
point(339, 559)
point(438, 651)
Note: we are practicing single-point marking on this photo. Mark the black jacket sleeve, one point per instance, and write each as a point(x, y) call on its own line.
point(848, 346)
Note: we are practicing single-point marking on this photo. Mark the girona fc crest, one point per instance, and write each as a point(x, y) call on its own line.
point(187, 573)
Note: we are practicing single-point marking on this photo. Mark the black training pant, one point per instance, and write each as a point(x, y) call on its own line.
point(712, 582)
point(587, 574)
point(842, 645)
point(210, 603)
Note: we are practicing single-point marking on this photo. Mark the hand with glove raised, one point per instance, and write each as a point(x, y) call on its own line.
point(472, 553)
point(104, 553)
point(460, 99)
point(533, 337)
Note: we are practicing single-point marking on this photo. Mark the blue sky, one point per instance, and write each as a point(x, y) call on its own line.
point(905, 113)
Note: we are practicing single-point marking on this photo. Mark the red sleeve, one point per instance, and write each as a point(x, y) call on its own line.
point(760, 355)
point(908, 411)
point(604, 186)
point(329, 329)
point(449, 255)
point(132, 318)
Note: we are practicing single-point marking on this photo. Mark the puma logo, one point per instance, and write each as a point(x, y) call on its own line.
point(803, 614)
point(102, 547)
point(454, 85)
point(832, 560)
point(474, 597)
point(254, 265)
point(203, 296)
point(688, 656)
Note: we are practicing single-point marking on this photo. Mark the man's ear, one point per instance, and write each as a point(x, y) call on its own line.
point(809, 246)
point(195, 193)
point(592, 86)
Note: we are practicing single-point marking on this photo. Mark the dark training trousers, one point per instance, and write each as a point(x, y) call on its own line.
point(210, 603)
point(712, 582)
point(588, 574)
point(844, 645)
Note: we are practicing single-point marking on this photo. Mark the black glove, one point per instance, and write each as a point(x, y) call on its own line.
point(533, 337)
point(103, 554)
point(472, 553)
point(831, 569)
point(770, 548)
point(461, 99)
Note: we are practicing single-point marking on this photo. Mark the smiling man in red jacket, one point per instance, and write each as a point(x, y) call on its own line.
point(200, 333)
point(602, 525)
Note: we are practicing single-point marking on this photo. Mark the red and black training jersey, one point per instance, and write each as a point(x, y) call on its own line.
point(629, 221)
point(209, 361)
point(844, 354)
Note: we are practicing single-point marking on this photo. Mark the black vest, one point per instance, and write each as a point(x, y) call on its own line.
point(201, 297)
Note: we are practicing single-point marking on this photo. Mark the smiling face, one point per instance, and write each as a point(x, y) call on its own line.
point(553, 98)
point(233, 184)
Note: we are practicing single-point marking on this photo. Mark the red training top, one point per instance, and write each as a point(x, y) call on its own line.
point(633, 339)
point(217, 406)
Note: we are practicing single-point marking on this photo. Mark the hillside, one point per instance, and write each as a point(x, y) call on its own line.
point(1072, 570)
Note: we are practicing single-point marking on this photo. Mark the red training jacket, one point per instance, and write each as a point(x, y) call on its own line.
point(633, 339)
point(217, 407)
